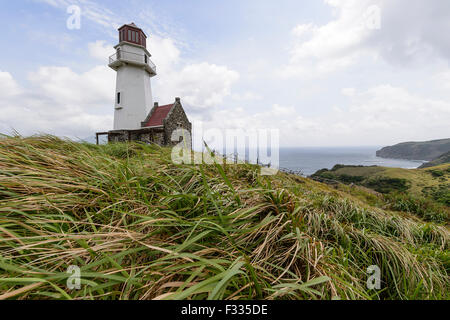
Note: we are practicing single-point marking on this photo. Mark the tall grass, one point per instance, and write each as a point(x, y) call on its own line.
point(140, 227)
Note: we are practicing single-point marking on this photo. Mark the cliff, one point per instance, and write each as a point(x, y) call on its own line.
point(442, 159)
point(428, 150)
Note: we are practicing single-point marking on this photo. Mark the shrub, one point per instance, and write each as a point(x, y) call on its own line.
point(437, 173)
point(424, 208)
point(387, 185)
point(345, 178)
point(440, 193)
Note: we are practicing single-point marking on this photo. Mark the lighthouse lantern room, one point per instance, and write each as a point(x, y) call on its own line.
point(133, 98)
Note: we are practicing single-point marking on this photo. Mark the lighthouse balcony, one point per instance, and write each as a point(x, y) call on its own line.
point(124, 57)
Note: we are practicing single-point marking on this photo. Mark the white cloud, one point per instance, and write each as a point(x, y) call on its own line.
point(100, 50)
point(348, 92)
point(411, 34)
point(388, 114)
point(89, 10)
point(442, 79)
point(63, 102)
point(8, 87)
point(90, 89)
point(246, 96)
point(67, 103)
point(333, 45)
point(202, 85)
point(377, 116)
point(404, 35)
point(278, 110)
point(303, 29)
point(294, 129)
point(165, 54)
point(60, 101)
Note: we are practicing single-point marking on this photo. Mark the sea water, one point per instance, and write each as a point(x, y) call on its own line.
point(309, 160)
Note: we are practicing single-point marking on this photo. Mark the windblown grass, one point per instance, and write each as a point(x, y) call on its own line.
point(140, 227)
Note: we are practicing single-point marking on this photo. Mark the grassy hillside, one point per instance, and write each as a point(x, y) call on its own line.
point(140, 227)
point(427, 150)
point(429, 187)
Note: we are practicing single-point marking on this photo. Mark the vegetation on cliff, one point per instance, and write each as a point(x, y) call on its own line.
point(442, 159)
point(428, 150)
point(140, 227)
point(425, 192)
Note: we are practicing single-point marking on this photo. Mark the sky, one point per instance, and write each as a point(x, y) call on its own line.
point(322, 72)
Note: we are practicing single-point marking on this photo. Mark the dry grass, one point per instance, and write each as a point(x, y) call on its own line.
point(140, 227)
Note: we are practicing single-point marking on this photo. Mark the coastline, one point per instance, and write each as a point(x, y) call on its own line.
point(310, 160)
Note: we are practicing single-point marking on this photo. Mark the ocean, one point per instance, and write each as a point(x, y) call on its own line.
point(309, 160)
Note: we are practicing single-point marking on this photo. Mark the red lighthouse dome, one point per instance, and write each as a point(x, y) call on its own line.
point(133, 34)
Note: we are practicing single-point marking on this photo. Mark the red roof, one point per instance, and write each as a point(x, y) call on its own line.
point(159, 115)
point(132, 25)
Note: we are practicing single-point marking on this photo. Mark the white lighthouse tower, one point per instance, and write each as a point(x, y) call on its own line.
point(133, 99)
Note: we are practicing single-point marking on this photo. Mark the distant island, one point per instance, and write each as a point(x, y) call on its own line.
point(427, 150)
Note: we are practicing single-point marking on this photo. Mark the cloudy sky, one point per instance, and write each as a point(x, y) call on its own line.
point(323, 72)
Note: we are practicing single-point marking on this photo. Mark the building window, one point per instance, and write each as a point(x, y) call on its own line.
point(146, 59)
point(129, 35)
point(134, 36)
point(118, 97)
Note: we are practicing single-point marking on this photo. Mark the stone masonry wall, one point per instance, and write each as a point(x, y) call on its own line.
point(176, 119)
point(158, 137)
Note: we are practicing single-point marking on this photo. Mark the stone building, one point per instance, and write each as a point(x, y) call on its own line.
point(157, 127)
point(133, 121)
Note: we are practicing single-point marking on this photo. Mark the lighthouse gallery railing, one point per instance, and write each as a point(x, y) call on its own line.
point(132, 57)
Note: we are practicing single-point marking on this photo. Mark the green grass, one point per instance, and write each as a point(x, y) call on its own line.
point(427, 191)
point(140, 227)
